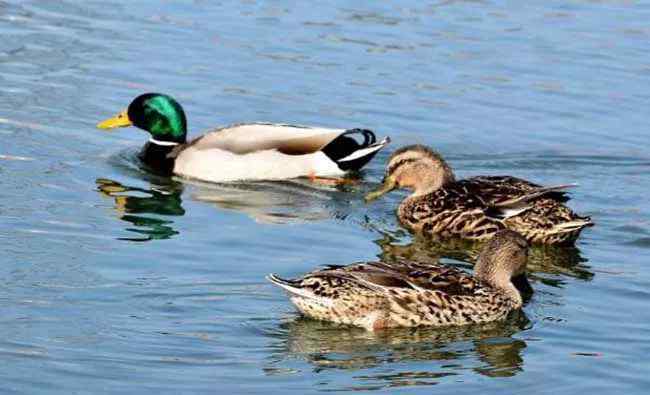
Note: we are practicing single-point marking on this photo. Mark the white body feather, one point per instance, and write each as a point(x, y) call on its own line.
point(217, 165)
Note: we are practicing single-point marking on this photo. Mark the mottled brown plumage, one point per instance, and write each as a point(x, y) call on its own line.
point(376, 295)
point(476, 208)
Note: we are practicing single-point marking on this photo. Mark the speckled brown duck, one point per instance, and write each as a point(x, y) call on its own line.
point(376, 295)
point(477, 207)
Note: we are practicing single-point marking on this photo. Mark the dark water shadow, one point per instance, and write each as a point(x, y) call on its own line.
point(144, 207)
point(489, 350)
point(546, 263)
point(278, 202)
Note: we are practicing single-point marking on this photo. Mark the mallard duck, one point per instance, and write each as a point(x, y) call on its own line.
point(252, 151)
point(376, 295)
point(477, 207)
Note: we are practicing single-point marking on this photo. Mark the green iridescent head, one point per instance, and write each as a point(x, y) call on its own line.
point(156, 113)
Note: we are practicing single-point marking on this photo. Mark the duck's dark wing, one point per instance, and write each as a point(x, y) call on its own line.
point(506, 190)
point(381, 277)
point(455, 196)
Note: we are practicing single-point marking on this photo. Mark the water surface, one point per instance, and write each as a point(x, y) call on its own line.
point(116, 280)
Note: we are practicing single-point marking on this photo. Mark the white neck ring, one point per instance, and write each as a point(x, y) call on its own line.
point(163, 143)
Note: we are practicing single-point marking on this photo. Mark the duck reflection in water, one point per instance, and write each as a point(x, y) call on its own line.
point(277, 202)
point(280, 202)
point(487, 349)
point(546, 263)
point(133, 204)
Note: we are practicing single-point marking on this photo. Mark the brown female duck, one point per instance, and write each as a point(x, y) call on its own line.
point(376, 295)
point(477, 207)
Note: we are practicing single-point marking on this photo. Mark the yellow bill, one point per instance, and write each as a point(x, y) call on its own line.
point(119, 121)
point(388, 186)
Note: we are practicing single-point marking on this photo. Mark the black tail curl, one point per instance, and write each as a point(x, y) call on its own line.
point(349, 142)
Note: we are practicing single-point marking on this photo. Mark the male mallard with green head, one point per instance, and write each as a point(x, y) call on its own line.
point(376, 295)
point(254, 151)
point(477, 207)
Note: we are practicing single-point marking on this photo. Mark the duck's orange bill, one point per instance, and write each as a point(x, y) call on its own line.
point(119, 121)
point(386, 187)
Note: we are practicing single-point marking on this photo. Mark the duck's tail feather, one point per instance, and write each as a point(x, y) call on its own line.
point(567, 232)
point(293, 287)
point(572, 226)
point(281, 282)
point(299, 293)
point(350, 154)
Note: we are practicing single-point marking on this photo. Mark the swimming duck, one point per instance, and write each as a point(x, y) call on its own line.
point(476, 208)
point(376, 295)
point(252, 151)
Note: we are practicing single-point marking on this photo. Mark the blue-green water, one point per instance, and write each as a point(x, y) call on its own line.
point(113, 280)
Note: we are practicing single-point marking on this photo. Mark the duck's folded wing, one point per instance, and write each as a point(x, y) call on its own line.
point(381, 277)
point(504, 191)
point(246, 138)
